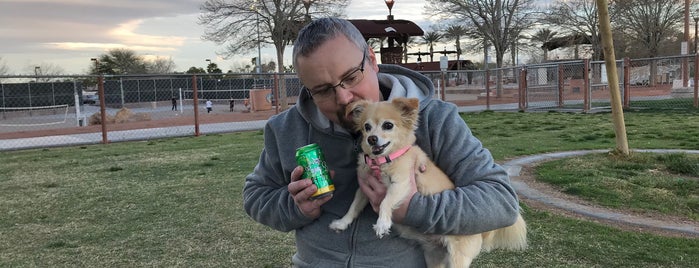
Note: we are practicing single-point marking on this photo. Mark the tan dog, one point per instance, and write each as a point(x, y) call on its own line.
point(388, 130)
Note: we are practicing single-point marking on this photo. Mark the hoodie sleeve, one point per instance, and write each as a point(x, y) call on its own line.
point(483, 199)
point(265, 195)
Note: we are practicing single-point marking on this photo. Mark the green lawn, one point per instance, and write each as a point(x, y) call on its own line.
point(177, 202)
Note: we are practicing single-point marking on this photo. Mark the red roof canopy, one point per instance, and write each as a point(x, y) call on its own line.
point(387, 28)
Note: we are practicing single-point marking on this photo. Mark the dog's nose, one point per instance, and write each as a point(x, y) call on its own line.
point(372, 140)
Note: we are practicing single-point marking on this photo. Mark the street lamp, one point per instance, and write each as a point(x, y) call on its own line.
point(37, 70)
point(97, 65)
point(207, 66)
point(389, 4)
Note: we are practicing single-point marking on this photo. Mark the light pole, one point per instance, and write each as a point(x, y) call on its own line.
point(37, 70)
point(97, 65)
point(259, 46)
point(207, 66)
point(389, 4)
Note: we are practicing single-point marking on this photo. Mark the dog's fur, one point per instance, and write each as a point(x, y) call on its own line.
point(387, 127)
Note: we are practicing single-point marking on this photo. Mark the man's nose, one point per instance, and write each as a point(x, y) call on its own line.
point(343, 96)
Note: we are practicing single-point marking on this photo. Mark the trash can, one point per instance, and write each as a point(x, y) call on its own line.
point(259, 100)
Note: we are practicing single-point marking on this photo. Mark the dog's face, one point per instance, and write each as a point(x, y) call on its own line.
point(385, 126)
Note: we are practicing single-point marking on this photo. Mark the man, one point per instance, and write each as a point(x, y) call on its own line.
point(337, 67)
point(209, 106)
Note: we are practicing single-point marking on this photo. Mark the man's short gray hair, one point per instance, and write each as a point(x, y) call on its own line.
point(320, 31)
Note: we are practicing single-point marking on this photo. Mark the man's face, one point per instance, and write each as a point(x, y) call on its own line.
point(336, 64)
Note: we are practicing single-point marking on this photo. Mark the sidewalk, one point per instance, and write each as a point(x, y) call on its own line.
point(127, 135)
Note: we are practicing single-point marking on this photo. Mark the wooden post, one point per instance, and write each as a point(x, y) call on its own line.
point(522, 89)
point(103, 108)
point(627, 81)
point(586, 84)
point(196, 105)
point(622, 145)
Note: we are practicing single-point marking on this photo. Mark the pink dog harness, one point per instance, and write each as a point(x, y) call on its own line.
point(375, 164)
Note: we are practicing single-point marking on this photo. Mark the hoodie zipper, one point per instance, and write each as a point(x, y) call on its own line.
point(352, 243)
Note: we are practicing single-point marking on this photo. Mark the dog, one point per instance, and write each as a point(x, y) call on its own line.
point(388, 143)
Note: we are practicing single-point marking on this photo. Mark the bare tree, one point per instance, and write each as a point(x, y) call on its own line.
point(498, 22)
point(45, 72)
point(161, 66)
point(649, 22)
point(242, 25)
point(578, 19)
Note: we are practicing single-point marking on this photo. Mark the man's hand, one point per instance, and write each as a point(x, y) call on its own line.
point(375, 191)
point(301, 191)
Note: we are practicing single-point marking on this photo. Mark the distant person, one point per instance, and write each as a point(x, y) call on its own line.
point(174, 104)
point(209, 106)
point(232, 104)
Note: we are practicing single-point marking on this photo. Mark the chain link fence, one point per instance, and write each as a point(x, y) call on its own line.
point(47, 111)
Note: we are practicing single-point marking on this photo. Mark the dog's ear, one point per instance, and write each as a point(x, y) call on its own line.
point(408, 108)
point(356, 109)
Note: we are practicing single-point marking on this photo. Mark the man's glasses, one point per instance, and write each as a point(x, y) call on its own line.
point(349, 81)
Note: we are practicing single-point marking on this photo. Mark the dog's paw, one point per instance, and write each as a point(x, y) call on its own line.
point(382, 228)
point(339, 225)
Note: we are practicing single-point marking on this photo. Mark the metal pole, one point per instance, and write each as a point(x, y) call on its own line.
point(259, 47)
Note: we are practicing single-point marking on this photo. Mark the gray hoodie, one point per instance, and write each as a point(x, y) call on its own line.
point(483, 200)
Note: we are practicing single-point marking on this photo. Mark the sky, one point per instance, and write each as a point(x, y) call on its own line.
point(68, 33)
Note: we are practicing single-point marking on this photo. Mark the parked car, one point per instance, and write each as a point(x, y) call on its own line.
point(91, 99)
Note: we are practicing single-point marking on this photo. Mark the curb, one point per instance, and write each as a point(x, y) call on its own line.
point(514, 167)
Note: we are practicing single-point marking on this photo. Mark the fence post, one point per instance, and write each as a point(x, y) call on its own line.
point(487, 89)
point(627, 83)
point(103, 110)
point(560, 85)
point(522, 89)
point(586, 79)
point(276, 95)
point(196, 105)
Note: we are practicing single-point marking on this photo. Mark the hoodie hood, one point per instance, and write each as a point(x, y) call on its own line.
point(401, 81)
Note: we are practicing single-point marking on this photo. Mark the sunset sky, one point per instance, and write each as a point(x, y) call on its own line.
point(68, 33)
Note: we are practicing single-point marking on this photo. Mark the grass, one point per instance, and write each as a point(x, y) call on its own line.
point(177, 202)
point(642, 182)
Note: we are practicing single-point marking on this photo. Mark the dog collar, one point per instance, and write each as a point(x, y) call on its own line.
point(375, 164)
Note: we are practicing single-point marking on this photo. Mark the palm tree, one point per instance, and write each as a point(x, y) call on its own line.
point(543, 36)
point(430, 38)
point(455, 32)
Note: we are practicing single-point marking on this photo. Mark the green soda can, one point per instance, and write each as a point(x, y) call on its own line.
point(314, 167)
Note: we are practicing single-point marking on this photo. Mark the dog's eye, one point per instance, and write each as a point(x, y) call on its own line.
point(387, 126)
point(367, 127)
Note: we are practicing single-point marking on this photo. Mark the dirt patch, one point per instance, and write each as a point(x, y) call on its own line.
point(183, 120)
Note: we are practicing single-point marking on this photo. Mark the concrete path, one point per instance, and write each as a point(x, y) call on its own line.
point(514, 168)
